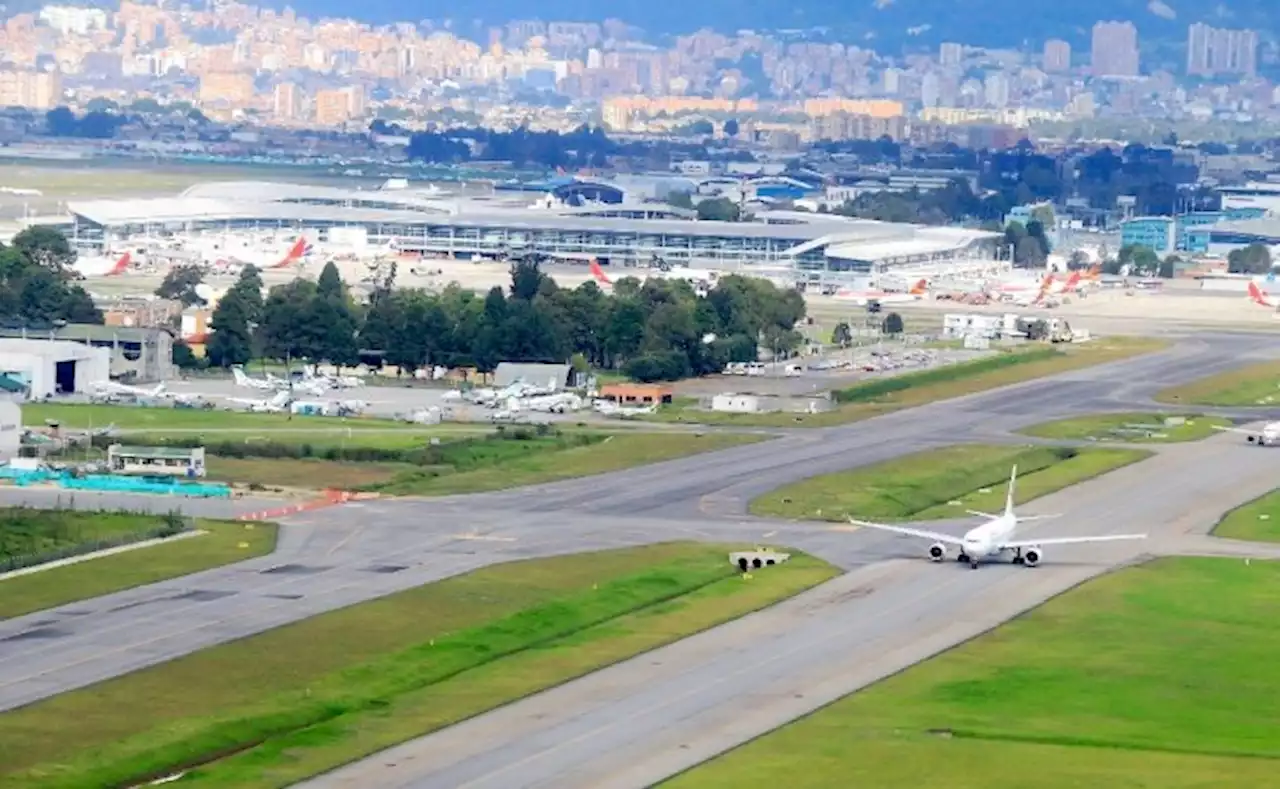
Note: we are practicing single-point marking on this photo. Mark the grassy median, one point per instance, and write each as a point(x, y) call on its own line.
point(1254, 385)
point(223, 542)
point(1257, 520)
point(272, 709)
point(1155, 676)
point(1130, 428)
point(616, 452)
point(940, 483)
point(892, 393)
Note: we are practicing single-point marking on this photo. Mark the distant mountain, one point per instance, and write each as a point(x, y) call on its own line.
point(886, 25)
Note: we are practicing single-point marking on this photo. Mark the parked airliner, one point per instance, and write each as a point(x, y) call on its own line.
point(995, 537)
point(1266, 436)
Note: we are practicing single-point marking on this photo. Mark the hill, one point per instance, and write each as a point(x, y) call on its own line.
point(887, 25)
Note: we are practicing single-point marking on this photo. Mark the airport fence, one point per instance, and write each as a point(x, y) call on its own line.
point(172, 524)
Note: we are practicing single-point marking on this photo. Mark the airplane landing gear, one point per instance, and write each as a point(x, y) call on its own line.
point(962, 558)
point(1017, 557)
point(973, 564)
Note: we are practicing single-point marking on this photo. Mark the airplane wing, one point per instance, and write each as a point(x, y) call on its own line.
point(1070, 540)
point(1233, 429)
point(922, 533)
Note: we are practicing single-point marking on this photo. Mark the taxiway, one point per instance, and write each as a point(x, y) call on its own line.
point(695, 698)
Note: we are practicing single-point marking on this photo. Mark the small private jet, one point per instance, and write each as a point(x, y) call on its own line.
point(994, 539)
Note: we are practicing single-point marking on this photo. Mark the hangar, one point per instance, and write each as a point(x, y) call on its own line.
point(49, 367)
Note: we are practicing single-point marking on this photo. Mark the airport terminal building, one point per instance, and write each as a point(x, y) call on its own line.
point(579, 221)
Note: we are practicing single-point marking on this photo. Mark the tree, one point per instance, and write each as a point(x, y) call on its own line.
point(184, 358)
point(1253, 259)
point(892, 324)
point(180, 285)
point(526, 279)
point(46, 247)
point(249, 287)
point(231, 338)
point(329, 285)
point(1028, 253)
point(731, 127)
point(842, 335)
point(719, 209)
point(1169, 266)
point(680, 200)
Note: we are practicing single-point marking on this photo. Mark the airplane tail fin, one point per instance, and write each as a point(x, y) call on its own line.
point(920, 287)
point(598, 274)
point(1257, 295)
point(121, 265)
point(1013, 484)
point(1072, 282)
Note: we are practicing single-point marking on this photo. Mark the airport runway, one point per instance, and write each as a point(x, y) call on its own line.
point(335, 557)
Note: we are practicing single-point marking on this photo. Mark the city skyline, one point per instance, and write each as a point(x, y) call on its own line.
point(243, 64)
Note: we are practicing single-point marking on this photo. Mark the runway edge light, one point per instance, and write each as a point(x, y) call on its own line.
point(754, 560)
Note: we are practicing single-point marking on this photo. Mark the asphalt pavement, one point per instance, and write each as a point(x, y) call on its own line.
point(342, 555)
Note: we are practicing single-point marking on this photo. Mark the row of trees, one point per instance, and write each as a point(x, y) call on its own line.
point(656, 329)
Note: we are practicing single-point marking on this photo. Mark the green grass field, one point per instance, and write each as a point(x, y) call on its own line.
point(924, 485)
point(1131, 428)
point(884, 395)
point(223, 543)
point(1257, 520)
point(161, 421)
point(619, 451)
point(32, 532)
point(1156, 676)
point(333, 688)
point(1256, 384)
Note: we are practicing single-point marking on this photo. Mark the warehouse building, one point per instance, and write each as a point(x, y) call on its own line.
point(140, 355)
point(48, 367)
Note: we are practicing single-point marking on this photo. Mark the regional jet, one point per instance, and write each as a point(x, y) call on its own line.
point(994, 538)
point(1267, 436)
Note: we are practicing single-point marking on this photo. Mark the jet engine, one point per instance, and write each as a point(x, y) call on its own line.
point(937, 552)
point(1032, 556)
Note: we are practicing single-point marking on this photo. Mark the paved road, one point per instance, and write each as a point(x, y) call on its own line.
point(331, 558)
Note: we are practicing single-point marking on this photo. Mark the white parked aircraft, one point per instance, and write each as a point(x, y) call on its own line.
point(1266, 436)
point(316, 387)
point(274, 405)
point(267, 384)
point(111, 389)
point(610, 408)
point(995, 537)
point(18, 191)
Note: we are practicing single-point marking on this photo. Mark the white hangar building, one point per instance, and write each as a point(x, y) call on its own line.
point(52, 366)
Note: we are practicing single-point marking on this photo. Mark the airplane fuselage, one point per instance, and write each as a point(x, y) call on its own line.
point(985, 540)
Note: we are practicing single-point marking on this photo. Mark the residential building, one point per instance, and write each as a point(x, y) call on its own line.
point(1213, 51)
point(287, 102)
point(951, 54)
point(1115, 50)
point(1057, 56)
point(40, 90)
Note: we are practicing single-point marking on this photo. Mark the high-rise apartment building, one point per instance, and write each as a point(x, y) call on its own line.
point(1057, 56)
point(951, 54)
point(1115, 50)
point(287, 102)
point(336, 107)
point(39, 90)
point(1213, 50)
